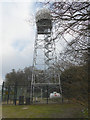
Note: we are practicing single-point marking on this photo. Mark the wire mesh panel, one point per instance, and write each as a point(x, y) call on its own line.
point(17, 95)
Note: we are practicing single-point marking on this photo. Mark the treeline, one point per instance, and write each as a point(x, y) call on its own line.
point(74, 81)
point(20, 77)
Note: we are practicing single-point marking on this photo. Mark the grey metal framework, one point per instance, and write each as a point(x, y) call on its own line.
point(44, 74)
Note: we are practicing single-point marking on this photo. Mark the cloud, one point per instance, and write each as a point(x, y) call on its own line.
point(17, 35)
point(0, 45)
point(17, 0)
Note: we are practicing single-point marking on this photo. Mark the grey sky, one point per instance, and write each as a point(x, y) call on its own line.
point(17, 35)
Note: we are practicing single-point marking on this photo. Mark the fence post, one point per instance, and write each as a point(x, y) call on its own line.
point(2, 90)
point(47, 94)
point(15, 93)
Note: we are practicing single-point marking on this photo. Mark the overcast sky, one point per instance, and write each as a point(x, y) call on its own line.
point(17, 34)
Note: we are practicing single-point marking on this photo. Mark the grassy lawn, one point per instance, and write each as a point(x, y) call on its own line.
point(0, 111)
point(43, 111)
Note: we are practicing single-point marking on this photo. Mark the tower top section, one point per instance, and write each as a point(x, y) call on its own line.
point(43, 14)
point(43, 21)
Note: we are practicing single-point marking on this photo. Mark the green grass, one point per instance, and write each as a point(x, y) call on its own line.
point(43, 111)
point(0, 111)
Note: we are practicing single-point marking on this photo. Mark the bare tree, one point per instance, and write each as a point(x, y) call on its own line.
point(72, 18)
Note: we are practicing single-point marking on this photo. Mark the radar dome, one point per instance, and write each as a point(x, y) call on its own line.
point(43, 21)
point(43, 14)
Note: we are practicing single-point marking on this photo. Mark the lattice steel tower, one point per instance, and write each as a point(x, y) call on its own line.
point(44, 75)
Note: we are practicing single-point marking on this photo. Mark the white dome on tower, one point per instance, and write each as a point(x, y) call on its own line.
point(43, 14)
